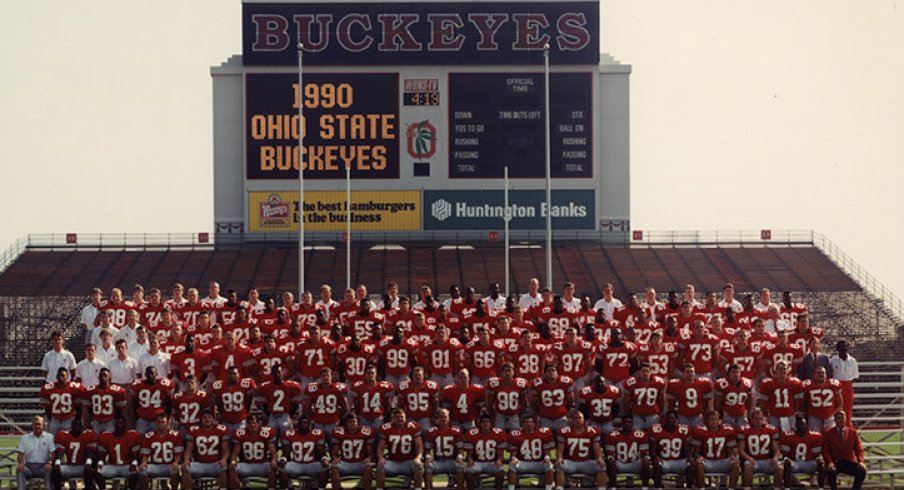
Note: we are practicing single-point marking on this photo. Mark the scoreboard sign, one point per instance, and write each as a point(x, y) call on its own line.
point(485, 210)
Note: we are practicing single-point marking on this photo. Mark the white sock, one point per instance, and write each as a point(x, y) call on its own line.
point(548, 487)
point(511, 487)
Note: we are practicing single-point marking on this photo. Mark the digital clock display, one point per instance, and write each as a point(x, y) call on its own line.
point(421, 98)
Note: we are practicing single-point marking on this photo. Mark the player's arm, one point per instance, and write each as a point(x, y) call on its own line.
point(189, 450)
point(627, 401)
point(742, 449)
point(227, 447)
point(418, 449)
point(708, 396)
point(718, 399)
point(381, 450)
point(274, 456)
point(560, 452)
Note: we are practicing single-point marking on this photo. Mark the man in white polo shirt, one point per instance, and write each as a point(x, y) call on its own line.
point(87, 371)
point(123, 368)
point(106, 351)
point(155, 357)
point(846, 370)
point(35, 453)
point(56, 358)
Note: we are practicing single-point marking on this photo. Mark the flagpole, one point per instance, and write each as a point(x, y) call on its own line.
point(548, 177)
point(300, 171)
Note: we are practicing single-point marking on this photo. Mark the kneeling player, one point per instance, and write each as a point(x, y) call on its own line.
point(802, 450)
point(161, 454)
point(627, 452)
point(353, 451)
point(442, 446)
point(578, 450)
point(307, 453)
point(400, 450)
point(485, 446)
point(758, 445)
point(253, 453)
point(669, 447)
point(530, 447)
point(715, 449)
point(206, 451)
point(121, 449)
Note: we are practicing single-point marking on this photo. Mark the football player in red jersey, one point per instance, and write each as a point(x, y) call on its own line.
point(783, 351)
point(403, 316)
point(551, 396)
point(483, 356)
point(371, 398)
point(600, 401)
point(118, 308)
point(760, 336)
point(306, 311)
point(746, 355)
point(584, 315)
point(443, 451)
point(715, 449)
point(692, 395)
point(463, 399)
point(75, 449)
point(419, 397)
point(803, 332)
point(189, 362)
point(659, 355)
point(353, 452)
point(687, 316)
point(557, 316)
point(103, 403)
point(269, 355)
point(485, 447)
point(353, 358)
point(397, 355)
point(618, 357)
point(61, 401)
point(307, 457)
point(700, 349)
point(441, 356)
point(758, 448)
point(279, 398)
point(313, 355)
point(627, 452)
point(241, 325)
point(780, 397)
point(161, 454)
point(421, 331)
point(821, 398)
point(230, 354)
point(324, 401)
point(644, 398)
point(121, 449)
point(529, 448)
point(479, 317)
point(504, 397)
point(575, 357)
point(670, 450)
point(400, 450)
point(734, 397)
point(206, 451)
point(151, 396)
point(578, 451)
point(253, 453)
point(802, 450)
point(361, 321)
point(233, 398)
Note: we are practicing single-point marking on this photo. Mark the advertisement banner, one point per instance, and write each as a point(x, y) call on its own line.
point(420, 33)
point(349, 119)
point(485, 210)
point(277, 211)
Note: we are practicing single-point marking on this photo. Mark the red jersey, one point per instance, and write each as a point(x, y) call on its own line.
point(398, 359)
point(801, 338)
point(600, 404)
point(324, 401)
point(188, 313)
point(617, 360)
point(702, 353)
point(747, 359)
point(558, 322)
point(222, 358)
point(400, 444)
point(691, 397)
point(528, 362)
point(758, 440)
point(646, 397)
point(233, 399)
point(660, 361)
point(312, 357)
point(370, 400)
point(440, 359)
point(103, 402)
point(531, 447)
point(800, 448)
point(422, 336)
point(687, 322)
point(483, 360)
point(416, 400)
point(574, 361)
point(781, 397)
point(305, 314)
point(627, 447)
point(120, 315)
point(670, 446)
point(75, 448)
point(165, 448)
point(444, 443)
point(271, 326)
point(474, 322)
point(279, 398)
point(265, 361)
point(210, 444)
point(735, 397)
point(303, 448)
point(714, 444)
point(152, 399)
point(363, 325)
point(552, 396)
point(463, 401)
point(187, 406)
point(763, 340)
point(399, 318)
point(62, 400)
point(485, 447)
point(352, 447)
point(254, 448)
point(578, 445)
point(120, 450)
point(184, 364)
point(355, 362)
point(791, 313)
point(627, 315)
point(507, 398)
point(644, 331)
point(789, 353)
point(822, 399)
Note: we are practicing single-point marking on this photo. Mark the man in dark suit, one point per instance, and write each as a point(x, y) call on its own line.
point(812, 360)
point(843, 453)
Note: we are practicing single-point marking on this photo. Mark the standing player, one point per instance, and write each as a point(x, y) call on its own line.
point(189, 403)
point(353, 452)
point(780, 397)
point(575, 357)
point(551, 397)
point(307, 454)
point(734, 396)
point(618, 357)
point(527, 357)
point(442, 446)
point(121, 449)
point(485, 446)
point(659, 355)
point(230, 354)
point(400, 450)
point(691, 395)
point(397, 354)
point(715, 449)
point(758, 448)
point(578, 451)
point(600, 403)
point(103, 403)
point(253, 453)
point(670, 449)
point(529, 448)
point(370, 398)
point(627, 452)
point(822, 398)
point(746, 355)
point(152, 396)
point(324, 401)
point(161, 454)
point(269, 355)
point(483, 356)
point(233, 398)
point(189, 362)
point(644, 398)
point(700, 349)
point(313, 355)
point(503, 397)
point(352, 359)
point(440, 356)
point(61, 401)
point(463, 399)
point(206, 451)
point(419, 397)
point(279, 398)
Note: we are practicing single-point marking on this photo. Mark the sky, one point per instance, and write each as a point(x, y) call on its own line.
point(744, 116)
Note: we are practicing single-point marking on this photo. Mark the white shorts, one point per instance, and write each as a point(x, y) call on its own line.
point(761, 466)
point(720, 466)
point(201, 470)
point(247, 470)
point(804, 467)
point(296, 470)
point(346, 468)
point(406, 468)
point(443, 467)
point(72, 471)
point(531, 467)
point(632, 467)
point(115, 471)
point(673, 466)
point(589, 467)
point(483, 468)
point(158, 471)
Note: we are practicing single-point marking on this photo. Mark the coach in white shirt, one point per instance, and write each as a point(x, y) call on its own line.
point(56, 358)
point(845, 369)
point(88, 316)
point(106, 351)
point(608, 303)
point(155, 357)
point(139, 346)
point(123, 369)
point(35, 454)
point(774, 323)
point(87, 372)
point(728, 299)
point(129, 332)
point(532, 296)
point(326, 301)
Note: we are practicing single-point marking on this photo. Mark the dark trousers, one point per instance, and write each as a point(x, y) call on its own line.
point(847, 468)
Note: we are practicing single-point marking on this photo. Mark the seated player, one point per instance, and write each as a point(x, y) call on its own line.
point(758, 447)
point(715, 449)
point(442, 447)
point(578, 451)
point(529, 448)
point(802, 451)
point(400, 450)
point(75, 449)
point(253, 453)
point(121, 449)
point(671, 451)
point(485, 447)
point(161, 454)
point(353, 452)
point(206, 451)
point(600, 404)
point(306, 448)
point(627, 452)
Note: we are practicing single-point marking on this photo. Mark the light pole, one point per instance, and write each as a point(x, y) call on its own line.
point(348, 226)
point(300, 171)
point(548, 174)
point(506, 217)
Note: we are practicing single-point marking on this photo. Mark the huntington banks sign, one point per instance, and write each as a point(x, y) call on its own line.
point(485, 210)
